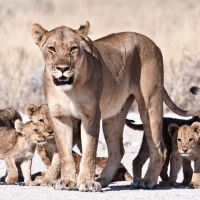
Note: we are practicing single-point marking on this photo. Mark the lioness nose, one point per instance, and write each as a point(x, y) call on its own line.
point(185, 150)
point(63, 69)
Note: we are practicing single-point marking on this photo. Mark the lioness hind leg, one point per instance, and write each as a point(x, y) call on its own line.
point(113, 130)
point(151, 112)
point(141, 158)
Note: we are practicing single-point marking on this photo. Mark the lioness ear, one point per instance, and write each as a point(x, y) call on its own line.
point(196, 127)
point(19, 126)
point(172, 128)
point(83, 30)
point(31, 109)
point(37, 33)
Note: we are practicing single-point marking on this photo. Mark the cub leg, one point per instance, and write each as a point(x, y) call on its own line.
point(113, 130)
point(12, 172)
point(175, 166)
point(141, 158)
point(53, 172)
point(187, 172)
point(195, 183)
point(41, 152)
point(62, 127)
point(26, 171)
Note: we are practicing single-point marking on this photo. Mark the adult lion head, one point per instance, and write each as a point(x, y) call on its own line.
point(63, 51)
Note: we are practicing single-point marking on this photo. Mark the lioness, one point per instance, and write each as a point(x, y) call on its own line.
point(8, 117)
point(144, 152)
point(185, 147)
point(93, 80)
point(48, 152)
point(17, 148)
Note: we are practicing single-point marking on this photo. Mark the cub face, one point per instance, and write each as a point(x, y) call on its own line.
point(30, 132)
point(63, 51)
point(41, 118)
point(186, 138)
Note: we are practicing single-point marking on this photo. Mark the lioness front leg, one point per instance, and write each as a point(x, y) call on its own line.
point(12, 172)
point(89, 138)
point(195, 183)
point(26, 171)
point(62, 127)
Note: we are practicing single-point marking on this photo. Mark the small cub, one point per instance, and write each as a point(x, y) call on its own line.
point(185, 148)
point(17, 147)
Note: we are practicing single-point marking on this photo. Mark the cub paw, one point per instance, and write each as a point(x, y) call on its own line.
point(91, 186)
point(10, 181)
point(63, 184)
point(195, 185)
point(47, 182)
point(30, 183)
point(142, 183)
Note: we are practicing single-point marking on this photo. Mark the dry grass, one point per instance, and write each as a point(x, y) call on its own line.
point(172, 25)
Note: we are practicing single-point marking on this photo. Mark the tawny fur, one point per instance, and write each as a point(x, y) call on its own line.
point(8, 117)
point(40, 117)
point(144, 153)
point(17, 148)
point(94, 80)
point(185, 148)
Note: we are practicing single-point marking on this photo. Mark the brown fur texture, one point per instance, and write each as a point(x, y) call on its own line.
point(40, 117)
point(8, 117)
point(17, 148)
point(94, 80)
point(185, 148)
point(144, 153)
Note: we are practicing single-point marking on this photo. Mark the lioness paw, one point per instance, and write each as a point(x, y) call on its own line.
point(167, 183)
point(142, 183)
point(63, 184)
point(90, 186)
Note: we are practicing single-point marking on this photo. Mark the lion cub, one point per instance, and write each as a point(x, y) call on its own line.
point(185, 148)
point(17, 147)
point(49, 153)
point(144, 154)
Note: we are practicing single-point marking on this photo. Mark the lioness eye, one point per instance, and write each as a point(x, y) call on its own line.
point(191, 139)
point(41, 120)
point(179, 140)
point(73, 48)
point(52, 49)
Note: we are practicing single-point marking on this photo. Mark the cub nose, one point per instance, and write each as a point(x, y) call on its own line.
point(50, 132)
point(185, 150)
point(63, 69)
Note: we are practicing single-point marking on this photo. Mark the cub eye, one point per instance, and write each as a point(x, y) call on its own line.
point(52, 49)
point(179, 140)
point(36, 130)
point(41, 120)
point(73, 49)
point(191, 139)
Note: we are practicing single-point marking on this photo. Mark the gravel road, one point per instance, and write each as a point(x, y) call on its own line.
point(116, 190)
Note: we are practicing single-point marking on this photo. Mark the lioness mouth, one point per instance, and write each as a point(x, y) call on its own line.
point(63, 80)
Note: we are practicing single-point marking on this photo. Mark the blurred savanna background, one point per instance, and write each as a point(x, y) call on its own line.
point(173, 25)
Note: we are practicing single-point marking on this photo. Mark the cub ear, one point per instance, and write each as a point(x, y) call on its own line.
point(172, 128)
point(37, 32)
point(83, 30)
point(19, 126)
point(31, 109)
point(196, 127)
